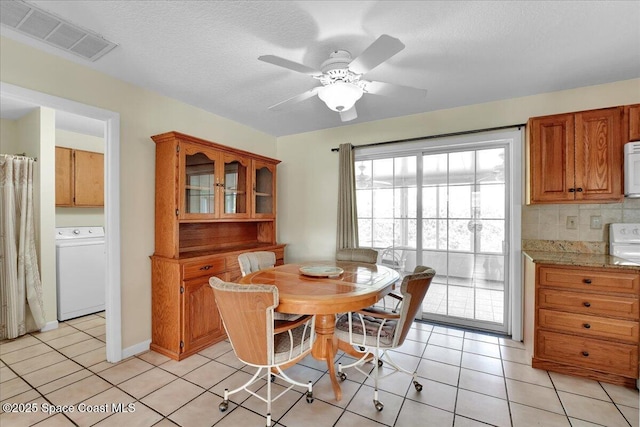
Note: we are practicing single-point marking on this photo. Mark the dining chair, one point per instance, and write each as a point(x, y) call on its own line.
point(370, 256)
point(250, 262)
point(357, 255)
point(375, 331)
point(254, 261)
point(261, 341)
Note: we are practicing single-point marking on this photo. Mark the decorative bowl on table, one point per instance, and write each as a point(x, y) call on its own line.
point(321, 270)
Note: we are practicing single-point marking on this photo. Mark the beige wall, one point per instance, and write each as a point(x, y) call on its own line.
point(73, 217)
point(142, 114)
point(35, 136)
point(308, 175)
point(8, 137)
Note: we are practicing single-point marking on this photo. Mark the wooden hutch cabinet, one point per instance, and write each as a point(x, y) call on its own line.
point(213, 202)
point(576, 157)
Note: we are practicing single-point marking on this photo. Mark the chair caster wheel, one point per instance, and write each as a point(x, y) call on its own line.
point(379, 406)
point(223, 406)
point(380, 363)
point(361, 348)
point(342, 376)
point(417, 385)
point(273, 378)
point(309, 397)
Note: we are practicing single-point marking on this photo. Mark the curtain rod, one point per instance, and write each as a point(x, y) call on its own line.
point(35, 159)
point(442, 135)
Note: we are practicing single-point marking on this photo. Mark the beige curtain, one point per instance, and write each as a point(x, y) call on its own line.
point(347, 236)
point(21, 305)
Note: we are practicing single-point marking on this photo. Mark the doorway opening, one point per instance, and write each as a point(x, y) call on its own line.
point(112, 200)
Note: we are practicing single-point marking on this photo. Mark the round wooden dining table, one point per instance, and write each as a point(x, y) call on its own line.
point(326, 288)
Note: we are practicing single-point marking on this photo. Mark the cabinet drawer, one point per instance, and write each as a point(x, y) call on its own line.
point(279, 256)
point(201, 268)
point(589, 280)
point(587, 303)
point(590, 326)
point(588, 353)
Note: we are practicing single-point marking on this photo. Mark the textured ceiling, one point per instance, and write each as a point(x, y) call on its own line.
point(205, 53)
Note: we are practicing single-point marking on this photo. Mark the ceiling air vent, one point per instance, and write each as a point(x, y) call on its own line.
point(43, 26)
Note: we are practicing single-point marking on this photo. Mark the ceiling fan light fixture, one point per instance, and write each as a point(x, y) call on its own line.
point(340, 96)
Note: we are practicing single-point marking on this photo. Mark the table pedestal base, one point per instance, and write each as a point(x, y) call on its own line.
point(327, 345)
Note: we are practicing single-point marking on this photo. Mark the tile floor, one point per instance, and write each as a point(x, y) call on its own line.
point(469, 379)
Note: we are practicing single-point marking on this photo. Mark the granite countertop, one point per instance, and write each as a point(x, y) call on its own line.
point(580, 260)
point(579, 254)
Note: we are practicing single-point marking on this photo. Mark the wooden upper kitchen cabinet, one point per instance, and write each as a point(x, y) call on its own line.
point(576, 157)
point(212, 203)
point(79, 178)
point(632, 122)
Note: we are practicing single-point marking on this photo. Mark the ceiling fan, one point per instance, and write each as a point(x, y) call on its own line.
point(342, 77)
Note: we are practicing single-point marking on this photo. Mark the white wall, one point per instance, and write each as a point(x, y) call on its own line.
point(69, 216)
point(308, 174)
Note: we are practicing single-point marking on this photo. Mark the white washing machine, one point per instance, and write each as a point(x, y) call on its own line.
point(80, 273)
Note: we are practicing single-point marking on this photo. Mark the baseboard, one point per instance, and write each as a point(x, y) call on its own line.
point(136, 349)
point(49, 326)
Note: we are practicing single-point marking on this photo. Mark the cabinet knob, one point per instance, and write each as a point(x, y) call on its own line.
point(206, 267)
point(587, 281)
point(586, 326)
point(586, 304)
point(572, 190)
point(579, 189)
point(585, 353)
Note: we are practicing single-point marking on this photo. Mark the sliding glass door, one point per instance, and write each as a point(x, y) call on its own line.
point(464, 223)
point(447, 208)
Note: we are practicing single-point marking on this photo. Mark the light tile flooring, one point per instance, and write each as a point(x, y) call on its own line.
point(465, 302)
point(469, 379)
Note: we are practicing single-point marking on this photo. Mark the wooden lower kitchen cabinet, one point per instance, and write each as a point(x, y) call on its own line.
point(587, 322)
point(185, 318)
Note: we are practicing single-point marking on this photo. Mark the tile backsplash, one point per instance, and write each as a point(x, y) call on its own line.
point(549, 222)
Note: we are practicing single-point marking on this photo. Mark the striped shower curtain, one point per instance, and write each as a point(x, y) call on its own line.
point(21, 304)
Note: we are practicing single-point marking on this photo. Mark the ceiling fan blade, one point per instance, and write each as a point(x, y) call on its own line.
point(295, 66)
point(378, 52)
point(295, 99)
point(350, 114)
point(389, 89)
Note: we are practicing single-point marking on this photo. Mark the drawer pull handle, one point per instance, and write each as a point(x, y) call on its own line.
point(587, 326)
point(585, 353)
point(586, 304)
point(206, 267)
point(587, 281)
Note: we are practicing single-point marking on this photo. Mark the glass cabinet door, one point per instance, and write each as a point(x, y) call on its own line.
point(199, 185)
point(264, 190)
point(236, 184)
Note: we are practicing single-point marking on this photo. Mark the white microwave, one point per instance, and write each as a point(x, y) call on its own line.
point(632, 169)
